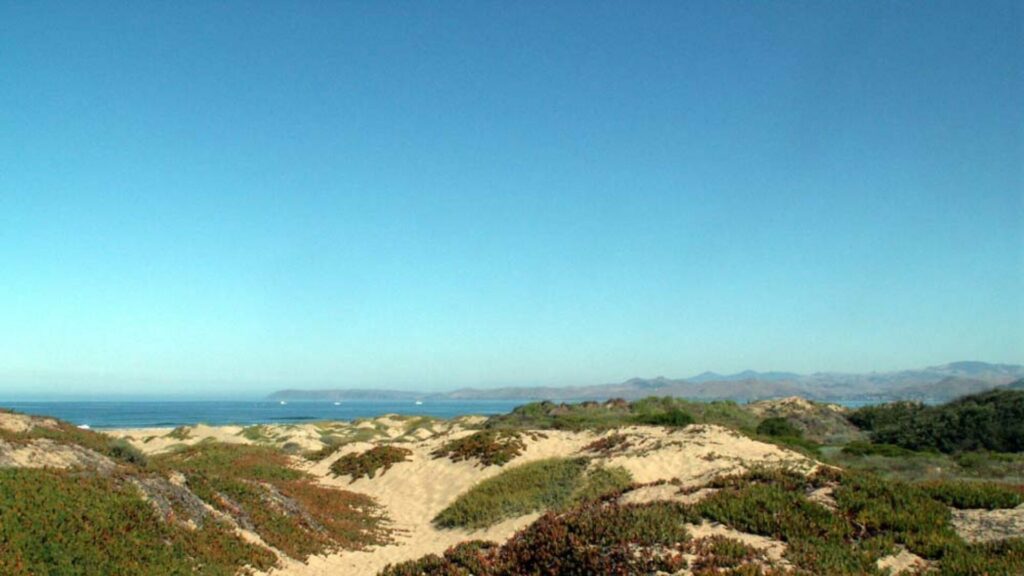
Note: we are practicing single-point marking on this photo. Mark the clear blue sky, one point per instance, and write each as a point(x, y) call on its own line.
point(233, 197)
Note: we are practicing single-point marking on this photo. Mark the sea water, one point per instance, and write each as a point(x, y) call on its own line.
point(144, 414)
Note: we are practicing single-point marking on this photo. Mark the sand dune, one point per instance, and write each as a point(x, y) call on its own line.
point(412, 493)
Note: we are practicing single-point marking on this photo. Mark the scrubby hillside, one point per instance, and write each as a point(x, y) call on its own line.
point(991, 420)
point(74, 501)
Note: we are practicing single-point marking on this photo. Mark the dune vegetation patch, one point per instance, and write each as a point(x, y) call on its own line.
point(59, 522)
point(255, 486)
point(554, 483)
point(368, 463)
point(968, 495)
point(489, 447)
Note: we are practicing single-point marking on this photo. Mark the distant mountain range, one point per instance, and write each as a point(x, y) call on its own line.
point(932, 384)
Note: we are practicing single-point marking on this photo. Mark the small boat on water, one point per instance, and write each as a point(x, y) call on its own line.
point(283, 403)
point(419, 402)
point(337, 403)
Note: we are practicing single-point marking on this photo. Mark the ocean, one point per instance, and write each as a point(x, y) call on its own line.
point(142, 414)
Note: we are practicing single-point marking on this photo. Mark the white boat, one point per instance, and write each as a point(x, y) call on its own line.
point(283, 403)
point(419, 402)
point(337, 403)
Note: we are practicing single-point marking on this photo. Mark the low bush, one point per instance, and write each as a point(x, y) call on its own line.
point(898, 510)
point(674, 417)
point(520, 490)
point(367, 464)
point(124, 451)
point(552, 484)
point(772, 510)
point(609, 539)
point(719, 552)
point(180, 433)
point(489, 447)
point(962, 494)
point(779, 427)
point(985, 559)
point(862, 448)
point(608, 445)
point(599, 482)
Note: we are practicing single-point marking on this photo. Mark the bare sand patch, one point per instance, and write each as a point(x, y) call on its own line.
point(989, 525)
point(45, 453)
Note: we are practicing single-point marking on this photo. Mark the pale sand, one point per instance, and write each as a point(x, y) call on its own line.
point(903, 562)
point(44, 453)
point(20, 423)
point(412, 493)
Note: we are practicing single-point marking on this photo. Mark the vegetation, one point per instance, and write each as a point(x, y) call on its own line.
point(489, 447)
point(59, 522)
point(366, 464)
point(673, 417)
point(65, 433)
point(960, 494)
point(778, 427)
point(180, 433)
point(991, 421)
point(861, 448)
point(257, 433)
point(554, 483)
point(871, 517)
point(661, 411)
point(255, 486)
point(608, 445)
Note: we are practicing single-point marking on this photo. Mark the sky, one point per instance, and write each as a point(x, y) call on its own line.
point(234, 197)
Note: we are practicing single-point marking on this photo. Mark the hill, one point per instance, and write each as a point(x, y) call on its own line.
point(932, 385)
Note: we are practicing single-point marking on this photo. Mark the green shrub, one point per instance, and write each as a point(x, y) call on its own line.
point(899, 510)
point(552, 484)
point(257, 433)
point(991, 421)
point(617, 412)
point(962, 494)
point(862, 448)
point(718, 552)
point(772, 510)
point(985, 559)
point(489, 447)
point(123, 450)
point(366, 464)
point(180, 433)
point(596, 540)
point(599, 482)
point(520, 490)
point(674, 417)
point(779, 427)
